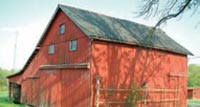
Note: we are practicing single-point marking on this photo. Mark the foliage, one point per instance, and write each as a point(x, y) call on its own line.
point(134, 96)
point(3, 78)
point(4, 102)
point(193, 75)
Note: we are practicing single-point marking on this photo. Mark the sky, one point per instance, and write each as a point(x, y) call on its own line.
point(25, 20)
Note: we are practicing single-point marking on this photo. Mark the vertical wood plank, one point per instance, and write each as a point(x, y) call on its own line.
point(145, 94)
point(97, 90)
point(178, 95)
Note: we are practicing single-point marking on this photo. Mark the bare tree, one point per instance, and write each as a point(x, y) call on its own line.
point(167, 9)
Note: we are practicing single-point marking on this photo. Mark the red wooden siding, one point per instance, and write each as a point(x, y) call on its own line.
point(56, 87)
point(118, 64)
point(75, 88)
point(15, 79)
point(30, 91)
point(64, 88)
point(61, 42)
point(194, 93)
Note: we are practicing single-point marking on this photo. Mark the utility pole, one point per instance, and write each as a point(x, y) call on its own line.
point(15, 49)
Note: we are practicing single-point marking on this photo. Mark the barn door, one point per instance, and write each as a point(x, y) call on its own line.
point(75, 88)
point(35, 91)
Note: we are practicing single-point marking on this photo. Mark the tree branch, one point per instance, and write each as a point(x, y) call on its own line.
point(173, 15)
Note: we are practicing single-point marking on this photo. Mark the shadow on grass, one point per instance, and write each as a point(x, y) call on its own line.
point(4, 102)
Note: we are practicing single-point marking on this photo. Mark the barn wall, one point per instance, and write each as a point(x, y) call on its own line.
point(47, 90)
point(196, 93)
point(61, 42)
point(15, 79)
point(119, 65)
point(193, 93)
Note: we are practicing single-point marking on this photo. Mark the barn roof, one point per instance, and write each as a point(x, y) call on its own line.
point(102, 27)
point(98, 26)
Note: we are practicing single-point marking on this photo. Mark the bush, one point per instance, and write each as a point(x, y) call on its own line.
point(3, 78)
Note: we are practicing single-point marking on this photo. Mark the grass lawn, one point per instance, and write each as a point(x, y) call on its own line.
point(193, 103)
point(4, 102)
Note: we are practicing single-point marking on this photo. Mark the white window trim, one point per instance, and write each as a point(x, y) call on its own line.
point(70, 45)
point(60, 29)
point(51, 49)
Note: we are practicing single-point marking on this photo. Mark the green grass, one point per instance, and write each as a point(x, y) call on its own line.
point(193, 101)
point(4, 102)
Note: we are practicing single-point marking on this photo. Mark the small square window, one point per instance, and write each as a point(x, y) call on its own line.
point(62, 28)
point(73, 45)
point(51, 49)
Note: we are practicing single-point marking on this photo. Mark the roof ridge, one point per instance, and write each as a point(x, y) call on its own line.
point(102, 14)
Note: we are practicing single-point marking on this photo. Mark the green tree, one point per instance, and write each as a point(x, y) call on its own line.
point(193, 75)
point(3, 78)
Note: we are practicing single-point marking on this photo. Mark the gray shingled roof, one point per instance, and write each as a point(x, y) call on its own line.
point(98, 26)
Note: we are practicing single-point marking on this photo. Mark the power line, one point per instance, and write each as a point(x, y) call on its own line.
point(15, 49)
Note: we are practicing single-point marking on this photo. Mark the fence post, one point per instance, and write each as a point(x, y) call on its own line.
point(163, 94)
point(9, 91)
point(98, 78)
point(145, 94)
point(178, 95)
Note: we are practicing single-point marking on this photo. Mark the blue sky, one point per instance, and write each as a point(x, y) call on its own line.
point(29, 18)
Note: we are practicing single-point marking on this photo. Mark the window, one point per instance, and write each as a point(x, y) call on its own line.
point(73, 45)
point(51, 49)
point(62, 28)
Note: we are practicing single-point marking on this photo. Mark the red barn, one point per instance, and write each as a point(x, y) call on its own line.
point(194, 92)
point(86, 59)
